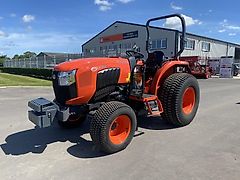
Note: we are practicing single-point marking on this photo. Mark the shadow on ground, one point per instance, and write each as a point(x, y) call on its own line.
point(154, 123)
point(36, 140)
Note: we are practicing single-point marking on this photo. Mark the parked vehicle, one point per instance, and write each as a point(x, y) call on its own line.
point(236, 69)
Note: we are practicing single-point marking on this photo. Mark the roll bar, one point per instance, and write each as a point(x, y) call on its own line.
point(182, 40)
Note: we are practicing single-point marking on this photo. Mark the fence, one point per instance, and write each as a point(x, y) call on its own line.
point(45, 62)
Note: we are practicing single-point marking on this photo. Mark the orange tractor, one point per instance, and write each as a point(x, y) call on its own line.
point(114, 90)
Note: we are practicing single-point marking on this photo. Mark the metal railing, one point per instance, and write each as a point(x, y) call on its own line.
point(44, 62)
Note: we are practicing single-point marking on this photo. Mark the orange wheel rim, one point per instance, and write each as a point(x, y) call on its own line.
point(120, 129)
point(189, 98)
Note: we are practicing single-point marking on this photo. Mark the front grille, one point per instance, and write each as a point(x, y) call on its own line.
point(107, 80)
point(63, 93)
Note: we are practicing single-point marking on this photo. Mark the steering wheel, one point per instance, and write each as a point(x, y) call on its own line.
point(134, 54)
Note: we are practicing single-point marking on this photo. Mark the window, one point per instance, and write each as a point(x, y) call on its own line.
point(189, 44)
point(163, 44)
point(104, 50)
point(114, 47)
point(153, 44)
point(92, 51)
point(119, 48)
point(110, 47)
point(205, 46)
point(159, 44)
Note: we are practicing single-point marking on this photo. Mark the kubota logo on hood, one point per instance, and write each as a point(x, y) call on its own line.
point(95, 68)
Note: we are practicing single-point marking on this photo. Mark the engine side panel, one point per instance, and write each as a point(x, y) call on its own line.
point(107, 77)
point(106, 82)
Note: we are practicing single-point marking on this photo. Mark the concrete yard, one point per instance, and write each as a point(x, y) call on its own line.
point(209, 148)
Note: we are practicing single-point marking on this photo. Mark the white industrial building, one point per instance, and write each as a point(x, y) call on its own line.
point(121, 36)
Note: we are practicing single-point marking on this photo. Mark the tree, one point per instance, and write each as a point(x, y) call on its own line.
point(16, 56)
point(29, 54)
point(2, 59)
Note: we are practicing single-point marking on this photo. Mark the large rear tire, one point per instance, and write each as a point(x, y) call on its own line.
point(112, 127)
point(180, 96)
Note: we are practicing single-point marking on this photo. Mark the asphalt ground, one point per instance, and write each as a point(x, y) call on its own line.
point(209, 148)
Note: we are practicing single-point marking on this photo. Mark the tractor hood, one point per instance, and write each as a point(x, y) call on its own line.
point(93, 64)
point(93, 71)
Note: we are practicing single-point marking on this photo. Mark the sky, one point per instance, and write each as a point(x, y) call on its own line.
point(64, 25)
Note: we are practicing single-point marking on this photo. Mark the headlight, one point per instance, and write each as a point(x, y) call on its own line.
point(66, 78)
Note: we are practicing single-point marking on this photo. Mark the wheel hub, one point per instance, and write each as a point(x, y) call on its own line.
point(188, 102)
point(120, 129)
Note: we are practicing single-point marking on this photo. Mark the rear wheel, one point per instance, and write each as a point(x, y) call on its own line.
point(112, 127)
point(180, 98)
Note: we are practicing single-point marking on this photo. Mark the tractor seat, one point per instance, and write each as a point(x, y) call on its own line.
point(154, 61)
point(155, 58)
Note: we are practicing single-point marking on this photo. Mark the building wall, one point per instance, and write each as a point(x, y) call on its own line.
point(217, 48)
point(157, 34)
point(97, 49)
point(93, 46)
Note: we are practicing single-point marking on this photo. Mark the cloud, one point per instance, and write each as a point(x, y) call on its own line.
point(104, 5)
point(3, 34)
point(231, 27)
point(104, 8)
point(227, 26)
point(225, 21)
point(28, 18)
point(175, 22)
point(125, 1)
point(173, 6)
point(222, 30)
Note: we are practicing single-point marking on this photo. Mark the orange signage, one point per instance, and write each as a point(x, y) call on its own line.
point(116, 37)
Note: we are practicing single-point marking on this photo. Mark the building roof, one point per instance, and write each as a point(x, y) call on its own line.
point(53, 54)
point(141, 25)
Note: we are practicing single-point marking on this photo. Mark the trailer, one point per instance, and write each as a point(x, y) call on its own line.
point(199, 66)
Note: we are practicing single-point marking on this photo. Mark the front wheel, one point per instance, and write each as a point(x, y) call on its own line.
point(180, 96)
point(112, 127)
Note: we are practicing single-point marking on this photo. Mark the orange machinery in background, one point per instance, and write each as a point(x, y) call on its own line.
point(199, 66)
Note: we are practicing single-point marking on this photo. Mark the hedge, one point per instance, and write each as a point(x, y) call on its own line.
point(33, 72)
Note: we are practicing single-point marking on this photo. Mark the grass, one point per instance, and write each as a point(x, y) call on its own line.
point(17, 80)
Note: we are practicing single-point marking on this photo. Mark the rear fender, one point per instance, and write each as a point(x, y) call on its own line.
point(166, 70)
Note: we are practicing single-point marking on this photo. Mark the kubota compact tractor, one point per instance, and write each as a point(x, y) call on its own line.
point(114, 90)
